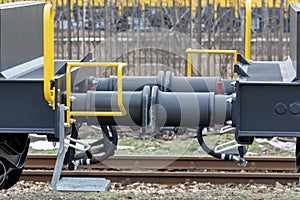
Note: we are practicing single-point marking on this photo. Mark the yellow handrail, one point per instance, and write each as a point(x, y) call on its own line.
point(70, 113)
point(207, 51)
point(248, 30)
point(49, 93)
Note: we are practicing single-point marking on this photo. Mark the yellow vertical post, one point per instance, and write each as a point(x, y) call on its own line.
point(70, 113)
point(207, 51)
point(235, 60)
point(189, 60)
point(235, 57)
point(49, 54)
point(236, 9)
point(68, 93)
point(248, 30)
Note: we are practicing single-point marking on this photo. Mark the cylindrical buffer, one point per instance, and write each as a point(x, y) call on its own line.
point(135, 104)
point(165, 82)
point(196, 84)
point(185, 109)
point(129, 83)
point(177, 109)
point(193, 84)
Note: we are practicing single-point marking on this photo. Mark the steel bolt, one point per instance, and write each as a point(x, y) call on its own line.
point(295, 108)
point(280, 108)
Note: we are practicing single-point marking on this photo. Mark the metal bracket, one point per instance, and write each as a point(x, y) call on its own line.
point(146, 102)
point(61, 151)
point(228, 148)
point(226, 129)
point(242, 60)
point(72, 184)
point(238, 69)
point(152, 112)
point(86, 146)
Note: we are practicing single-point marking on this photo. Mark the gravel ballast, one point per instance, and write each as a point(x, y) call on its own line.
point(188, 190)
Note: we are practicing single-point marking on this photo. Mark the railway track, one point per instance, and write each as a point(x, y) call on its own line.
point(171, 170)
point(174, 163)
point(170, 178)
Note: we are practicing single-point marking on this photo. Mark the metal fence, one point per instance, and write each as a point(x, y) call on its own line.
point(153, 37)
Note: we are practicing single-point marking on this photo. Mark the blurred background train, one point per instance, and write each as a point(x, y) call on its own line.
point(124, 5)
point(145, 13)
point(82, 25)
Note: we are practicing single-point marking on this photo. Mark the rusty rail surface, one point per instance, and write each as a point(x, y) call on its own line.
point(173, 163)
point(172, 170)
point(170, 178)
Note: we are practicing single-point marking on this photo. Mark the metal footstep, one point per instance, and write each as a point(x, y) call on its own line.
point(72, 184)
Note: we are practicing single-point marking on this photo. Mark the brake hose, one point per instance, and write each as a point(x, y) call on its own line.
point(110, 143)
point(238, 159)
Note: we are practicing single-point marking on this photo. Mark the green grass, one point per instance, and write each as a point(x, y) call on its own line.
point(189, 147)
point(35, 151)
point(181, 146)
point(266, 149)
point(158, 147)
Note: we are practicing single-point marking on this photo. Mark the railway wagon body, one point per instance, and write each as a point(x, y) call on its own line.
point(22, 108)
point(40, 95)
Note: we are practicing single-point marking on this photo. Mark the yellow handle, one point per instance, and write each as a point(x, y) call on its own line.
point(49, 94)
point(207, 51)
point(70, 113)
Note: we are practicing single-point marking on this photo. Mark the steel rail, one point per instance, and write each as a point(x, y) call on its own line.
point(173, 163)
point(170, 178)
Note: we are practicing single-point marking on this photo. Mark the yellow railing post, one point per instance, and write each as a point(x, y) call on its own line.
point(248, 30)
point(189, 70)
point(70, 113)
point(207, 51)
point(49, 94)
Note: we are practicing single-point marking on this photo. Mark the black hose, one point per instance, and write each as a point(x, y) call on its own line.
point(207, 149)
point(114, 135)
point(110, 143)
point(240, 160)
point(69, 156)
